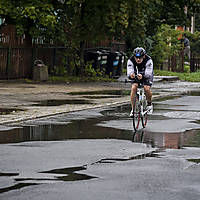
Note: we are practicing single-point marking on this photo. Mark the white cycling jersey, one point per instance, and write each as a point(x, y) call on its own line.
point(145, 68)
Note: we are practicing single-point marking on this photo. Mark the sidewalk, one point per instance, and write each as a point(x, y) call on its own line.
point(24, 99)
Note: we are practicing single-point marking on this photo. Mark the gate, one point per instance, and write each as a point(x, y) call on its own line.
point(16, 63)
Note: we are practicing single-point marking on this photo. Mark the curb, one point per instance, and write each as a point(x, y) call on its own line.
point(165, 78)
point(156, 78)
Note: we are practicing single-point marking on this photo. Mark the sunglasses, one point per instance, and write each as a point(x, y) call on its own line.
point(139, 58)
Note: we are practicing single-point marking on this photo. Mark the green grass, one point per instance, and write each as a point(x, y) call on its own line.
point(186, 76)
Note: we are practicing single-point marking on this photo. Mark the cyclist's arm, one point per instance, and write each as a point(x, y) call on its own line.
point(130, 68)
point(149, 69)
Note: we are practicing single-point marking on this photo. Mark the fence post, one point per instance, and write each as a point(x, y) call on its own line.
point(191, 62)
point(169, 63)
point(54, 61)
point(182, 61)
point(8, 63)
point(173, 63)
point(33, 59)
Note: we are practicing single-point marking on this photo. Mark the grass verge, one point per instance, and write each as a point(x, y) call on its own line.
point(187, 76)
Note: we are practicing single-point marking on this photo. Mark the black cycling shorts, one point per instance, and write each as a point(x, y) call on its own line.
point(144, 81)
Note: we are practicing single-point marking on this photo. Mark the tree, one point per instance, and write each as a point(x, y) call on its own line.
point(74, 23)
point(166, 44)
point(29, 16)
point(83, 21)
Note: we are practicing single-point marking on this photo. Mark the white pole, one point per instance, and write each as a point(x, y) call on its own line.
point(192, 24)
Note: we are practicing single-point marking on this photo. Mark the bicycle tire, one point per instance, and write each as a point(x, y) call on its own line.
point(144, 118)
point(136, 113)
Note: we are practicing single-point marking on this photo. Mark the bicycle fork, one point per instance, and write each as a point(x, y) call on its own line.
point(141, 96)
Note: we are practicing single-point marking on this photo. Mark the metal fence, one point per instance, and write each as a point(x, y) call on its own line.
point(16, 63)
point(174, 63)
point(194, 64)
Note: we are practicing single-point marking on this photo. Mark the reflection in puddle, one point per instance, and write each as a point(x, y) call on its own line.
point(161, 140)
point(189, 138)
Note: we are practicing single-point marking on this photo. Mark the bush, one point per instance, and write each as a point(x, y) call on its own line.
point(186, 68)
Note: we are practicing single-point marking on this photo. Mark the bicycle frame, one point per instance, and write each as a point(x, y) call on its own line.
point(141, 98)
point(140, 114)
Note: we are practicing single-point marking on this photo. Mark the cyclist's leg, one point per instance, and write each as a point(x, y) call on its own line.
point(147, 89)
point(148, 93)
point(133, 92)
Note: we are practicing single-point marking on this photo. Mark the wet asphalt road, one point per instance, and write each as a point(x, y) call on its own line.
point(94, 154)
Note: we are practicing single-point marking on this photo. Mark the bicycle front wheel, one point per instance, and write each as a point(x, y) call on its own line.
point(136, 113)
point(144, 118)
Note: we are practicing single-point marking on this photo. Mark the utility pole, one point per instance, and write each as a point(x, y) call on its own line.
point(193, 24)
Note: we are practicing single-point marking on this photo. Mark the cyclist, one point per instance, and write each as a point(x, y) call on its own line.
point(141, 64)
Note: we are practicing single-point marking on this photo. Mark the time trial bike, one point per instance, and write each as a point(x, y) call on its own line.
point(140, 111)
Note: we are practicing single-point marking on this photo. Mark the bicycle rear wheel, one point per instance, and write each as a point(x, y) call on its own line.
point(136, 113)
point(144, 118)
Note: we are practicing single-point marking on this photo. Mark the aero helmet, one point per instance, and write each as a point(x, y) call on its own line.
point(139, 52)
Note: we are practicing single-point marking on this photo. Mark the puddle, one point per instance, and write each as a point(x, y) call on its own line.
point(16, 187)
point(6, 111)
point(76, 177)
point(102, 97)
point(81, 129)
point(194, 93)
point(168, 98)
point(68, 170)
point(70, 175)
point(194, 160)
point(58, 102)
point(108, 92)
point(153, 154)
point(9, 174)
point(86, 129)
point(120, 127)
